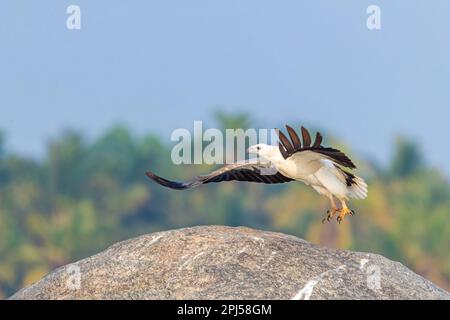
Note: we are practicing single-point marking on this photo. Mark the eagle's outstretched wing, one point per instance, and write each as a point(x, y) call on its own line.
point(288, 148)
point(250, 171)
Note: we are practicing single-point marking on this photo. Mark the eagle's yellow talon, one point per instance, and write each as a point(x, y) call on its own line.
point(330, 214)
point(343, 212)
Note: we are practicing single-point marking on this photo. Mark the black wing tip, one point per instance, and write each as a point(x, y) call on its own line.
point(339, 156)
point(294, 138)
point(153, 176)
point(306, 137)
point(286, 146)
point(288, 127)
point(318, 140)
point(150, 174)
point(283, 151)
point(166, 183)
point(352, 165)
point(296, 144)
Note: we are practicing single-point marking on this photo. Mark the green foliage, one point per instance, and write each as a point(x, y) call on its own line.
point(85, 196)
point(2, 141)
point(2, 162)
point(407, 159)
point(232, 121)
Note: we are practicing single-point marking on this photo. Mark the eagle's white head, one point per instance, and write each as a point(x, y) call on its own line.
point(265, 151)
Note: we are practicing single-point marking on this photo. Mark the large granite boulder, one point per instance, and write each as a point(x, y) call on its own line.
point(216, 262)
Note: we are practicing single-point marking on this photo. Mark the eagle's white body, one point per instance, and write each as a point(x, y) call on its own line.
point(314, 169)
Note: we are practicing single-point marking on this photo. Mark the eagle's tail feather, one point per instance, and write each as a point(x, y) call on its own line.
point(358, 189)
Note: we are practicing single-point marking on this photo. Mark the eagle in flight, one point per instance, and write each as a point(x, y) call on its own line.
point(323, 168)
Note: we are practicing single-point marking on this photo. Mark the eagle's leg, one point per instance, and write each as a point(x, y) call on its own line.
point(333, 210)
point(344, 211)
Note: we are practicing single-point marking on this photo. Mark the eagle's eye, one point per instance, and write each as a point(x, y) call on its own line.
point(258, 148)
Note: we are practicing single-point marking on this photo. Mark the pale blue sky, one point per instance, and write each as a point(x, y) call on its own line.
point(160, 65)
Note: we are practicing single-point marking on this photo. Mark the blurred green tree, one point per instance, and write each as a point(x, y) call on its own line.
point(2, 142)
point(232, 120)
point(407, 158)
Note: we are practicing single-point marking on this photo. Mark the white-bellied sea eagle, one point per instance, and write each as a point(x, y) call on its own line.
point(311, 163)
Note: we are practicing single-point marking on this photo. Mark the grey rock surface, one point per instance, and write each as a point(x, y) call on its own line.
point(216, 262)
